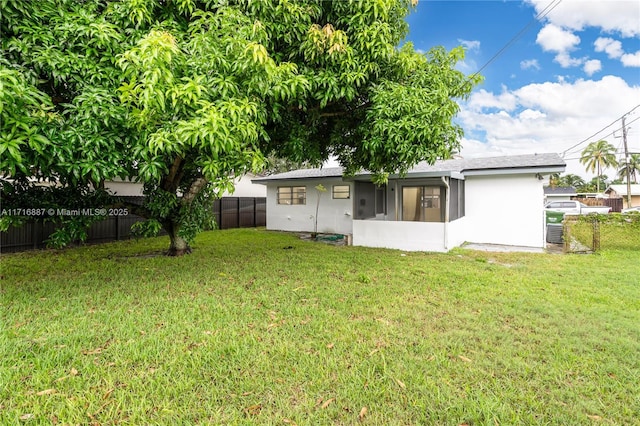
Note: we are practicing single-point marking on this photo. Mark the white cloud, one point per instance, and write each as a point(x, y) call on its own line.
point(470, 44)
point(530, 63)
point(565, 60)
point(631, 59)
point(530, 114)
point(593, 66)
point(547, 117)
point(613, 48)
point(483, 99)
point(612, 16)
point(554, 39)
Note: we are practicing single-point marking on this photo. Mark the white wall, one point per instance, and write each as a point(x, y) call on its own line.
point(334, 215)
point(409, 236)
point(505, 209)
point(456, 233)
point(245, 188)
point(124, 188)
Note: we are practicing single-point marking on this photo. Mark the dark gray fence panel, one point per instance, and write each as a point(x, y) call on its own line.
point(229, 212)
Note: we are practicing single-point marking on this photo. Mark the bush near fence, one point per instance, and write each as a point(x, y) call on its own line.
point(594, 232)
point(229, 212)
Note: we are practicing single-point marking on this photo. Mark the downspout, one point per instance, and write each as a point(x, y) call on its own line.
point(446, 212)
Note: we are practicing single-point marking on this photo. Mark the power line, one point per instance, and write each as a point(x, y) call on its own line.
point(605, 127)
point(618, 151)
point(539, 16)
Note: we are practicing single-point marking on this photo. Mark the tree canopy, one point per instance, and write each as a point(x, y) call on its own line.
point(597, 156)
point(184, 95)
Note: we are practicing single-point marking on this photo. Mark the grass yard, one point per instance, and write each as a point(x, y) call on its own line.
point(257, 327)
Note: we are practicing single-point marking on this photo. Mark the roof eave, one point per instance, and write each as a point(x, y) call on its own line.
point(515, 170)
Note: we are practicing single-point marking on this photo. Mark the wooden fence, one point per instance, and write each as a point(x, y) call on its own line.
point(229, 212)
point(614, 203)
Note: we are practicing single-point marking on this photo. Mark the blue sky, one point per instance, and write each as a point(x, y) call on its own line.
point(569, 76)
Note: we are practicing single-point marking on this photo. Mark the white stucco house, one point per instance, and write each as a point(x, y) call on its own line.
point(433, 208)
point(244, 187)
point(559, 193)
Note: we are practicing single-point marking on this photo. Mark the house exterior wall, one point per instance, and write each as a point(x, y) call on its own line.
point(409, 236)
point(505, 209)
point(334, 215)
point(549, 198)
point(243, 188)
point(124, 188)
point(635, 199)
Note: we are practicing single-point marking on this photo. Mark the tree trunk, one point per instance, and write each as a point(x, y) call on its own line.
point(179, 245)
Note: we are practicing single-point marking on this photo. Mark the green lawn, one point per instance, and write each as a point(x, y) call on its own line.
point(258, 327)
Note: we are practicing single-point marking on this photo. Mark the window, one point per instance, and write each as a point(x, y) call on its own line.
point(422, 204)
point(292, 195)
point(456, 199)
point(342, 192)
point(381, 200)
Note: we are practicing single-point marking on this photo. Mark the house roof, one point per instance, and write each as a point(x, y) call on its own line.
point(560, 190)
point(622, 189)
point(545, 163)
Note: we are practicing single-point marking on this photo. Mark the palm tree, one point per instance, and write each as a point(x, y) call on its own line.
point(598, 156)
point(633, 166)
point(571, 180)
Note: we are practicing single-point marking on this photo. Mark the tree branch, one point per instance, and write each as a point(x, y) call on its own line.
point(194, 189)
point(170, 184)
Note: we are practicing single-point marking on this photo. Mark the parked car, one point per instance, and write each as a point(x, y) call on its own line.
point(635, 209)
point(575, 208)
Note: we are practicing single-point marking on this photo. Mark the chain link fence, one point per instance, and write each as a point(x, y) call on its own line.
point(594, 232)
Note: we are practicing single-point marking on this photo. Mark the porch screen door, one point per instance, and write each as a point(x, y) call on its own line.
point(421, 204)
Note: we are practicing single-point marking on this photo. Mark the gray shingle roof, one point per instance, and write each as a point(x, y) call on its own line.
point(443, 167)
point(560, 190)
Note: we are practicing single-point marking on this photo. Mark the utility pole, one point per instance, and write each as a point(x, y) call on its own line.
point(627, 161)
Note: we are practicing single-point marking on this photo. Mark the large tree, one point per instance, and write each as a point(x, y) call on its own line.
point(597, 156)
point(183, 95)
point(572, 180)
point(630, 169)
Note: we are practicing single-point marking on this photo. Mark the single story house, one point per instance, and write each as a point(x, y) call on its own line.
point(620, 191)
point(244, 187)
point(433, 208)
point(559, 193)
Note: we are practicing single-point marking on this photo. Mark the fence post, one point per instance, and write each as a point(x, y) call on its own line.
point(596, 234)
point(255, 213)
point(238, 211)
point(35, 235)
point(566, 235)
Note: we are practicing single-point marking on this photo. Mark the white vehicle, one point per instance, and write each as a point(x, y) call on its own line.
point(575, 208)
point(631, 210)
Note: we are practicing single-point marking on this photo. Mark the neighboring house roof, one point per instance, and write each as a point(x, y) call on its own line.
point(545, 163)
point(559, 190)
point(622, 189)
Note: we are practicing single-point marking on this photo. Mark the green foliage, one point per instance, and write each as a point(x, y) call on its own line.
point(597, 156)
point(185, 95)
point(633, 167)
point(72, 210)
